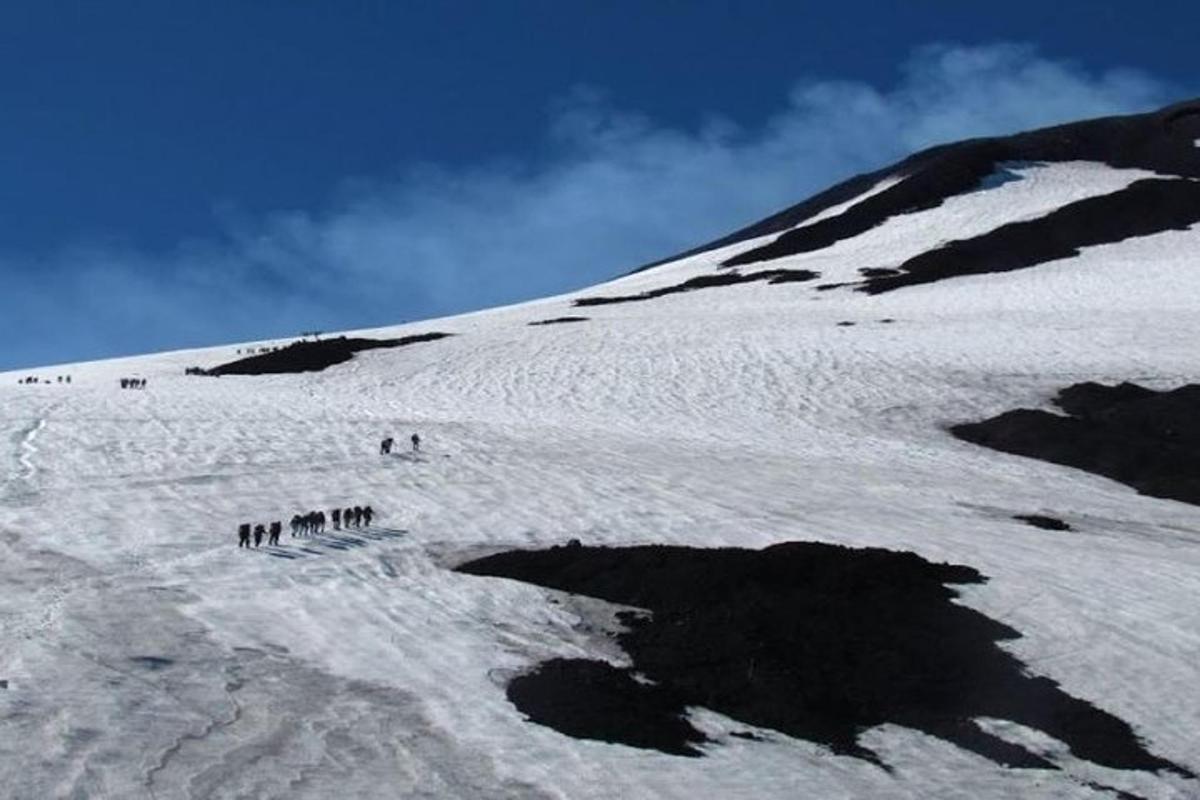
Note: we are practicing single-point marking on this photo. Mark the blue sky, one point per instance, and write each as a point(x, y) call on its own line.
point(190, 173)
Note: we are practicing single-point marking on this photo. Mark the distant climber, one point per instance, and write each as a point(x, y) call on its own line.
point(336, 515)
point(358, 515)
point(416, 443)
point(276, 529)
point(244, 534)
point(385, 447)
point(259, 532)
point(368, 512)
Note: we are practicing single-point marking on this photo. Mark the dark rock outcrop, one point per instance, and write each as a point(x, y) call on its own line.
point(1145, 207)
point(1145, 439)
point(313, 356)
point(727, 278)
point(1161, 141)
point(816, 641)
point(1043, 522)
point(558, 320)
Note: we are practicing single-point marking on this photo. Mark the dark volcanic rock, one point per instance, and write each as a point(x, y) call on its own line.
point(816, 641)
point(559, 320)
point(1162, 142)
point(1148, 440)
point(1144, 207)
point(928, 183)
point(1091, 400)
point(705, 282)
point(313, 356)
point(1043, 522)
point(594, 700)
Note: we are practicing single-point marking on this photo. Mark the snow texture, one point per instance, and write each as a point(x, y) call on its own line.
point(145, 655)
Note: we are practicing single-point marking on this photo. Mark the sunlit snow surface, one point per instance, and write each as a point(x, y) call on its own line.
point(146, 656)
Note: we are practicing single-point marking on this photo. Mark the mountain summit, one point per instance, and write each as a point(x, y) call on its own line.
point(1165, 142)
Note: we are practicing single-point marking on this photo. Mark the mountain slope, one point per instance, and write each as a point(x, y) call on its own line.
point(145, 655)
point(1161, 142)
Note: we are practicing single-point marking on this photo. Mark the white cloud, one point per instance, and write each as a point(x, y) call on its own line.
point(610, 190)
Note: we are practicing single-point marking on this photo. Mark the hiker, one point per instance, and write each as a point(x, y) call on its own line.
point(385, 447)
point(244, 534)
point(276, 529)
point(259, 531)
point(347, 518)
point(320, 522)
point(358, 516)
point(367, 514)
point(416, 441)
point(295, 525)
point(336, 515)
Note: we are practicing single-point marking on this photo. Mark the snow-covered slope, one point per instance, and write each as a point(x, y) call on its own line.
point(145, 655)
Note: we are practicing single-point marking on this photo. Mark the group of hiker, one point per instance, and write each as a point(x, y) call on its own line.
point(313, 522)
point(35, 379)
point(306, 525)
point(133, 383)
point(385, 447)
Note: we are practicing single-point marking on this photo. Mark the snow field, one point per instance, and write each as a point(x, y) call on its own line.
point(147, 657)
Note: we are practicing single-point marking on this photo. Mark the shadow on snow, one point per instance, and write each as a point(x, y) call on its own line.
point(321, 544)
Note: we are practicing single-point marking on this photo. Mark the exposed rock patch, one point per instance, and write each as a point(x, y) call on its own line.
point(595, 700)
point(558, 320)
point(1043, 522)
point(313, 356)
point(707, 281)
point(1160, 142)
point(816, 641)
point(1145, 439)
point(1143, 208)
